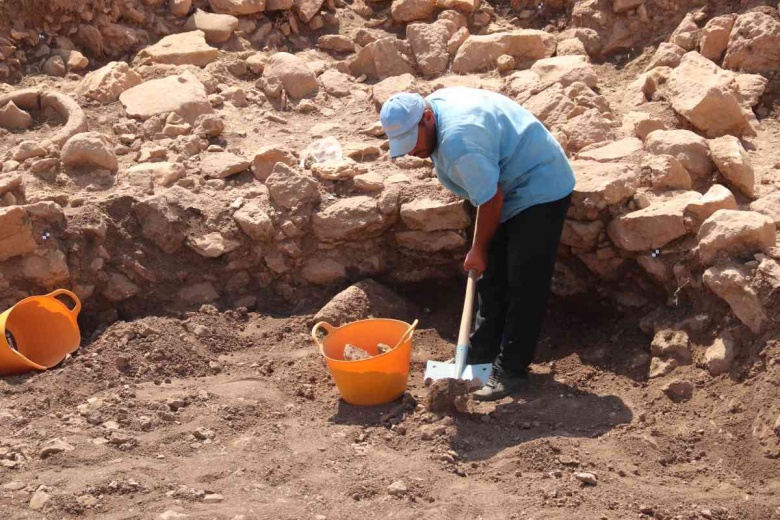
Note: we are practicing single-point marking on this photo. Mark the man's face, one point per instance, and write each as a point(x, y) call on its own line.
point(426, 136)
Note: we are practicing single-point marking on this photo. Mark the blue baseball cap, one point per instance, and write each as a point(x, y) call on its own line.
point(400, 117)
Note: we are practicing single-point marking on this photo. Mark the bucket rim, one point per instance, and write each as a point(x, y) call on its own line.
point(410, 328)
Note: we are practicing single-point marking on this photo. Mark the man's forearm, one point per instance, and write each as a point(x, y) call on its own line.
point(488, 218)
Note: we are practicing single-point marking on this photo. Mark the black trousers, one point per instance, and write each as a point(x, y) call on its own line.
point(514, 289)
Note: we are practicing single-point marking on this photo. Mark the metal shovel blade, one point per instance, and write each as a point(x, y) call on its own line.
point(443, 370)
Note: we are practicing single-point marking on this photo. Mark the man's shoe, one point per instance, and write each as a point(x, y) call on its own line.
point(500, 385)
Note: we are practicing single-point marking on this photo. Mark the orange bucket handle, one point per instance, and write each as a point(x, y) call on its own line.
point(407, 334)
point(64, 292)
point(328, 329)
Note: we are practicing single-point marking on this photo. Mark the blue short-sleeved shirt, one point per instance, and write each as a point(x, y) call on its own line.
point(486, 140)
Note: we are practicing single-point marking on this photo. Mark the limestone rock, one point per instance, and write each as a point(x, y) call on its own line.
point(433, 215)
point(198, 294)
point(336, 83)
point(667, 55)
point(13, 118)
point(386, 88)
point(183, 94)
point(717, 197)
point(255, 222)
point(363, 300)
point(599, 185)
point(432, 242)
point(652, 227)
point(107, 83)
point(334, 170)
point(735, 233)
point(369, 182)
point(188, 48)
point(119, 288)
point(703, 93)
point(670, 343)
point(588, 128)
point(266, 158)
point(480, 53)
point(54, 66)
point(768, 205)
point(298, 80)
point(53, 447)
point(222, 165)
point(89, 150)
point(237, 7)
point(754, 44)
point(383, 58)
point(614, 151)
point(678, 391)
point(218, 28)
point(687, 33)
point(621, 6)
point(566, 70)
point(429, 45)
point(180, 7)
point(641, 124)
point(715, 37)
point(456, 40)
point(664, 172)
point(720, 355)
point(212, 245)
point(660, 368)
point(411, 10)
point(463, 6)
point(323, 271)
point(336, 43)
point(308, 9)
point(581, 235)
point(161, 173)
point(687, 147)
point(291, 189)
point(731, 284)
point(354, 218)
point(162, 218)
point(733, 163)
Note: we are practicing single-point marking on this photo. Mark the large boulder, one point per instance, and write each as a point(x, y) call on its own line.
point(354, 218)
point(731, 283)
point(715, 37)
point(386, 88)
point(365, 299)
point(107, 83)
point(614, 151)
point(237, 7)
point(565, 70)
point(687, 147)
point(480, 53)
point(667, 55)
point(183, 94)
point(405, 11)
point(588, 128)
point(735, 233)
point(654, 226)
point(687, 33)
point(733, 163)
point(222, 165)
point(188, 48)
point(754, 44)
point(705, 95)
point(429, 45)
point(89, 150)
point(433, 215)
point(641, 124)
point(267, 157)
point(14, 118)
point(298, 80)
point(218, 28)
point(163, 218)
point(551, 106)
point(308, 9)
point(383, 58)
point(664, 172)
point(599, 185)
point(16, 233)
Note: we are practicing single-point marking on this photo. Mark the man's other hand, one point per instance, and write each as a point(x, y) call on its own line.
point(476, 259)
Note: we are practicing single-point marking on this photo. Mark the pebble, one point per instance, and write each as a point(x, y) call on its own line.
point(55, 446)
point(171, 515)
point(586, 478)
point(397, 489)
point(14, 485)
point(213, 498)
point(204, 433)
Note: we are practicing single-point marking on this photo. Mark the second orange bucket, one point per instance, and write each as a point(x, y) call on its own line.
point(38, 332)
point(379, 379)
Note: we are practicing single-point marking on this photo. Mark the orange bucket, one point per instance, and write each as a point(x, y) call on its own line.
point(373, 381)
point(43, 330)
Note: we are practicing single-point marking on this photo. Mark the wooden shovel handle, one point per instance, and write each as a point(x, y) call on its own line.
point(468, 309)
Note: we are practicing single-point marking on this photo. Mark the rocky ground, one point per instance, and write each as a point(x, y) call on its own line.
point(163, 159)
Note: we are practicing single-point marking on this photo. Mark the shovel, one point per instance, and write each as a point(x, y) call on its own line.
point(459, 369)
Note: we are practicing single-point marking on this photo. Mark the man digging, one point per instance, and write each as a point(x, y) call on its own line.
point(490, 150)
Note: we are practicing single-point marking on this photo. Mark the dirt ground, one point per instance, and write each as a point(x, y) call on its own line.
point(240, 419)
